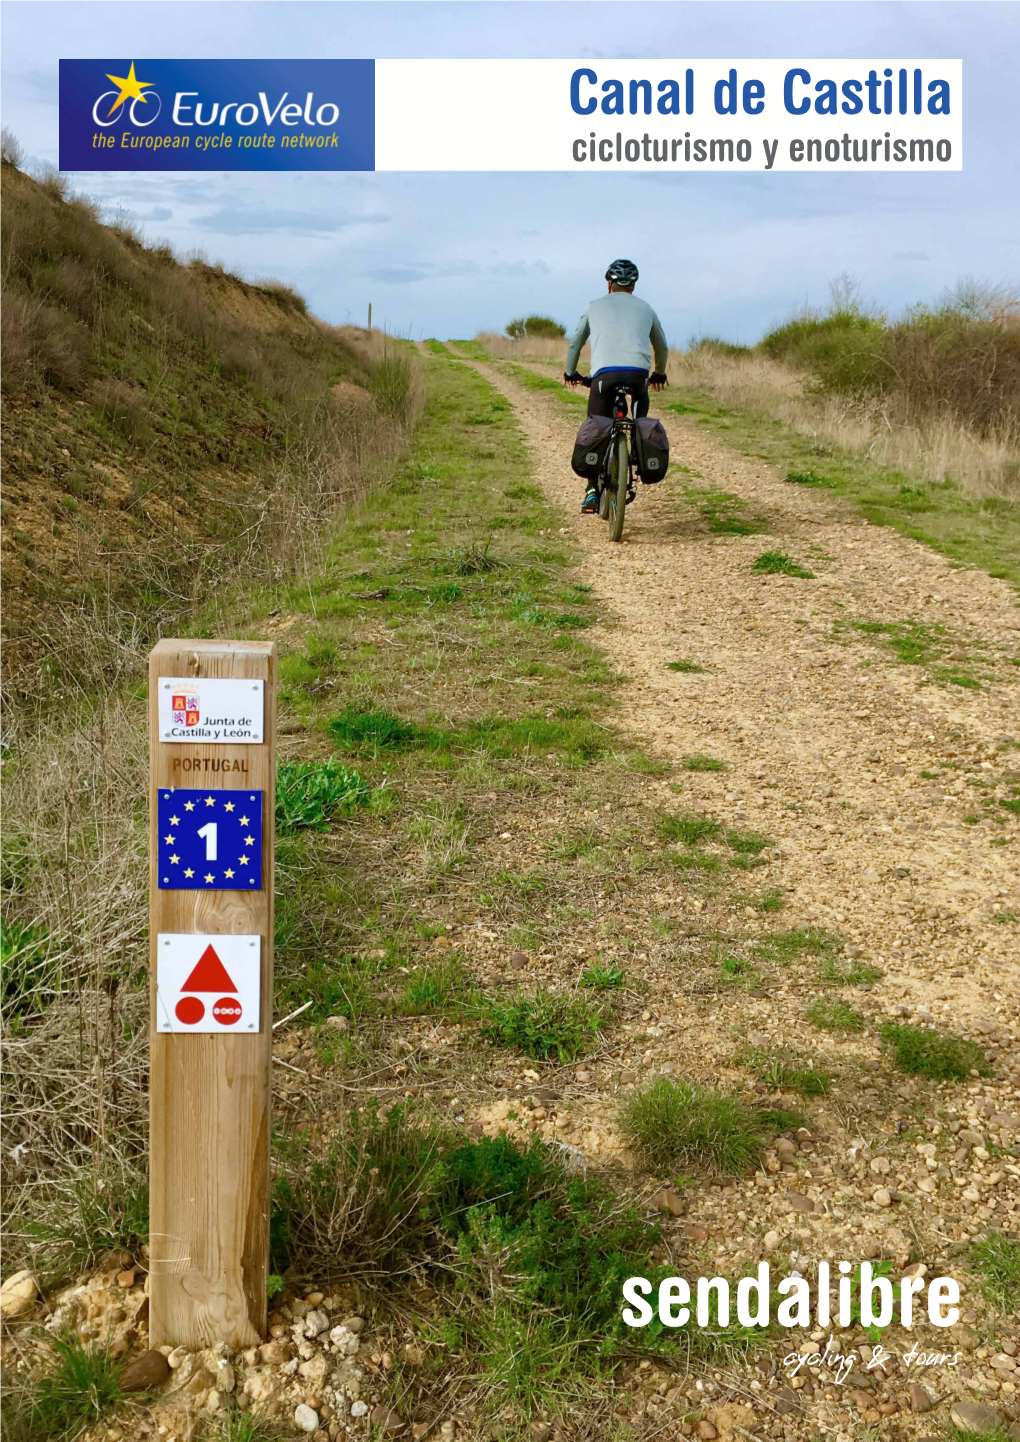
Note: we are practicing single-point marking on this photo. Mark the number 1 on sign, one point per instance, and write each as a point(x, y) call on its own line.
point(208, 835)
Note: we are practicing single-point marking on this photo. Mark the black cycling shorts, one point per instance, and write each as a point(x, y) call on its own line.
point(600, 397)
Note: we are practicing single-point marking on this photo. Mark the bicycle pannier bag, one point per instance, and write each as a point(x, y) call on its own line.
point(591, 446)
point(652, 446)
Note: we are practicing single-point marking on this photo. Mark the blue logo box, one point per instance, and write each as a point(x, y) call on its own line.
point(217, 114)
point(209, 840)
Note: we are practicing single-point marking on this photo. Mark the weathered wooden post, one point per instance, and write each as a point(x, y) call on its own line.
point(370, 315)
point(212, 723)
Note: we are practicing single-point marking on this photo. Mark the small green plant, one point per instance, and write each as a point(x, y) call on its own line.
point(29, 976)
point(95, 1215)
point(80, 1388)
point(771, 900)
point(834, 1016)
point(274, 1285)
point(310, 793)
point(780, 1067)
point(748, 842)
point(235, 1426)
point(784, 946)
point(542, 327)
point(686, 668)
point(695, 861)
point(544, 1025)
point(439, 986)
point(360, 730)
point(778, 563)
point(703, 763)
point(807, 478)
point(997, 1259)
point(603, 978)
point(846, 971)
point(680, 1123)
point(735, 971)
point(937, 1054)
point(688, 827)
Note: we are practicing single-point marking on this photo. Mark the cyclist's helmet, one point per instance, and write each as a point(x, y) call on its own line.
point(622, 272)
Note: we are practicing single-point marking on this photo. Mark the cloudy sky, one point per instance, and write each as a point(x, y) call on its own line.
point(450, 254)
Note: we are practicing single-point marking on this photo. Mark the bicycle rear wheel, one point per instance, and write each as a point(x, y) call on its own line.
point(619, 475)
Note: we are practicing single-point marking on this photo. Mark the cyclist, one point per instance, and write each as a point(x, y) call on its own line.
point(624, 332)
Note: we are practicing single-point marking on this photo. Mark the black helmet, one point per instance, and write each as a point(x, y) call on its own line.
point(622, 272)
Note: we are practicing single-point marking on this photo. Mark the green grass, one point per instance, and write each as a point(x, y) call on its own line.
point(846, 971)
point(735, 971)
point(771, 900)
point(724, 512)
point(438, 986)
point(834, 1015)
point(703, 763)
point(312, 793)
point(544, 1025)
point(780, 1067)
point(747, 842)
point(997, 1260)
point(781, 947)
point(808, 478)
point(678, 1123)
point(80, 1388)
point(604, 978)
point(380, 731)
point(936, 1054)
point(29, 976)
point(688, 827)
point(778, 563)
point(981, 531)
point(686, 668)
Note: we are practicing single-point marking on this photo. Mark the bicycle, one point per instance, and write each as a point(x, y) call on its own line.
point(616, 482)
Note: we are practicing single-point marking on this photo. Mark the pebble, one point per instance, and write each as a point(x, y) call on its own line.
point(518, 960)
point(150, 1370)
point(920, 1398)
point(706, 1430)
point(974, 1417)
point(771, 1241)
point(386, 1419)
point(338, 1023)
point(305, 1418)
point(882, 1197)
point(669, 1201)
point(359, 1408)
point(17, 1294)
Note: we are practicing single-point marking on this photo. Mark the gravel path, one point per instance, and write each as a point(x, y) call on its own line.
point(824, 734)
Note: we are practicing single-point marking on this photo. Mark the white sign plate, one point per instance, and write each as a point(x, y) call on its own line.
point(211, 710)
point(208, 983)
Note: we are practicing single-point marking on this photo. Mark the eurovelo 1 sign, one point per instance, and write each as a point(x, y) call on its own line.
point(137, 114)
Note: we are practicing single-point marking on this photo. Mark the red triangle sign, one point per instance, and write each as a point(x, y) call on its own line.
point(209, 974)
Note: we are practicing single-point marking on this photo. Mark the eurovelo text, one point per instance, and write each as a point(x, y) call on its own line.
point(860, 1295)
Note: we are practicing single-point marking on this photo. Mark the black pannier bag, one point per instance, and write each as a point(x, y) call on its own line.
point(591, 446)
point(652, 445)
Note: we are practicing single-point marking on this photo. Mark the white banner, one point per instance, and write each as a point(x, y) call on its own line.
point(669, 116)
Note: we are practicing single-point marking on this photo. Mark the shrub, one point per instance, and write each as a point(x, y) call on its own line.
point(678, 1122)
point(844, 350)
point(536, 327)
point(936, 1054)
point(544, 1025)
point(29, 976)
point(311, 793)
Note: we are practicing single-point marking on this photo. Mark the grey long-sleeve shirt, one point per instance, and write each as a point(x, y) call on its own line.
point(623, 330)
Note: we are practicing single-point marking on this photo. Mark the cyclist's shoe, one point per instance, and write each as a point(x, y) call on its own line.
point(590, 504)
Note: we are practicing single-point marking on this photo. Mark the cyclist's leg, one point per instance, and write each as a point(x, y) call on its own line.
point(600, 403)
point(640, 394)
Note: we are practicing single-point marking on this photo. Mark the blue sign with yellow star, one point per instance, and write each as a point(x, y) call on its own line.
point(209, 840)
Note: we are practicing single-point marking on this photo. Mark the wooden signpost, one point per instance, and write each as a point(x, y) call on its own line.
point(212, 722)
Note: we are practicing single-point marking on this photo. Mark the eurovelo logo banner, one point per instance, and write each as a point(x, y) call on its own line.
point(137, 114)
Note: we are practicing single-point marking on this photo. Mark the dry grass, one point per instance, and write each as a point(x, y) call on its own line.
point(932, 449)
point(526, 348)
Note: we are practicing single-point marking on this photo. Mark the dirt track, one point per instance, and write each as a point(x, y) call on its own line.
point(824, 734)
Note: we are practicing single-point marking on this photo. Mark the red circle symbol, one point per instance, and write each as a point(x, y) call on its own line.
point(189, 1010)
point(227, 1010)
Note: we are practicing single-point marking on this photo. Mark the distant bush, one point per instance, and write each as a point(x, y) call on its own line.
point(721, 347)
point(535, 327)
point(845, 351)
